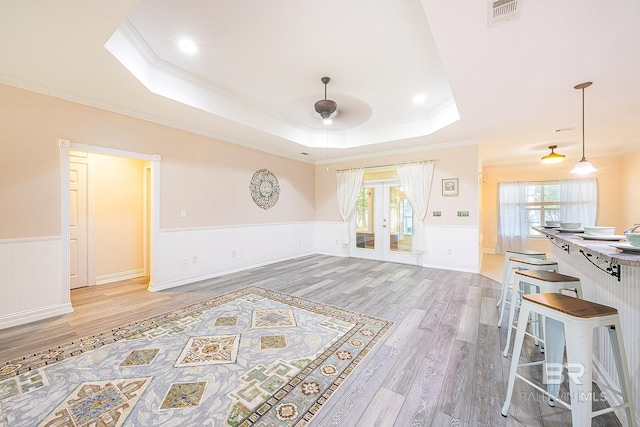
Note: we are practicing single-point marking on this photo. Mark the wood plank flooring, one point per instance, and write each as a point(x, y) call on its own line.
point(441, 363)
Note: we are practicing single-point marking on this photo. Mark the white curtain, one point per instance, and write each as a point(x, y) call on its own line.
point(512, 219)
point(349, 182)
point(416, 182)
point(579, 199)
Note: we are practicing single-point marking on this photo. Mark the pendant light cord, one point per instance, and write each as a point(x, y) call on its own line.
point(583, 158)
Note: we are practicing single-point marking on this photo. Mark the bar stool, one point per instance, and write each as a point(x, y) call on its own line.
point(508, 270)
point(523, 263)
point(539, 282)
point(576, 318)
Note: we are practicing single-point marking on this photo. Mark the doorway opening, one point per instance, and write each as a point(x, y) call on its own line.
point(110, 214)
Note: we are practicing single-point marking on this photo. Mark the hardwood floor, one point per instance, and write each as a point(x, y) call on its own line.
point(441, 363)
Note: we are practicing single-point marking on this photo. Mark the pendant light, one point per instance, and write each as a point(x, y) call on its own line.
point(552, 157)
point(584, 166)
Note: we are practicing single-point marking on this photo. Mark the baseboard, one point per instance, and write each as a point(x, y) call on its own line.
point(448, 267)
point(15, 319)
point(116, 277)
point(168, 284)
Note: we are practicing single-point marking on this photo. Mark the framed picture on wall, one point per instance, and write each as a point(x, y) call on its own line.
point(450, 187)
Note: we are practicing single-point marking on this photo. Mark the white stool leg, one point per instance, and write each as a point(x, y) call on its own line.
point(505, 268)
point(579, 352)
point(512, 312)
point(506, 280)
point(515, 358)
point(623, 371)
point(554, 343)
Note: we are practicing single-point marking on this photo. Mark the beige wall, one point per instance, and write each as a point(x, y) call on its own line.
point(610, 175)
point(118, 212)
point(207, 177)
point(457, 162)
point(631, 188)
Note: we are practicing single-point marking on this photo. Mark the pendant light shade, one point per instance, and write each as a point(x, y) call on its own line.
point(584, 166)
point(552, 157)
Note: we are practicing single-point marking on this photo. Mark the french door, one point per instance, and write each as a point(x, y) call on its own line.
point(382, 228)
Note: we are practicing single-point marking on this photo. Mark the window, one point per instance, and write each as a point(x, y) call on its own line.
point(542, 204)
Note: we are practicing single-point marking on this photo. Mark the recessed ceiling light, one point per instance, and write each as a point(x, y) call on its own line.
point(305, 154)
point(187, 46)
point(419, 99)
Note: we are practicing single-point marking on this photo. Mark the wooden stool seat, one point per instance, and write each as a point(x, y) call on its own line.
point(548, 276)
point(528, 253)
point(537, 262)
point(571, 306)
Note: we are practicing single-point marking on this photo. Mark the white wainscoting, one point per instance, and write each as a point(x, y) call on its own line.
point(190, 255)
point(329, 238)
point(624, 295)
point(31, 285)
point(31, 270)
point(448, 246)
point(453, 247)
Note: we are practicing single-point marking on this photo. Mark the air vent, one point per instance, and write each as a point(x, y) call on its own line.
point(500, 11)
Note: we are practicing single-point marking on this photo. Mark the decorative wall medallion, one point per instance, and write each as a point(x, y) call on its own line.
point(264, 189)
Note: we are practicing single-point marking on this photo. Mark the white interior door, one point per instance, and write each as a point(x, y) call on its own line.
point(78, 224)
point(382, 228)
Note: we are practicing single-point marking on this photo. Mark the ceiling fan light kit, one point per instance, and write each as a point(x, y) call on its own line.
point(552, 157)
point(325, 107)
point(584, 166)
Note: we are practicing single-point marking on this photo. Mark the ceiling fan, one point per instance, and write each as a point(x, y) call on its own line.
point(325, 107)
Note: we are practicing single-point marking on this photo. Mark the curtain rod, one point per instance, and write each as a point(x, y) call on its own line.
point(388, 165)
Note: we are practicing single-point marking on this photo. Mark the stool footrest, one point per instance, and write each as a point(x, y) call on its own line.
point(540, 362)
point(609, 409)
point(545, 392)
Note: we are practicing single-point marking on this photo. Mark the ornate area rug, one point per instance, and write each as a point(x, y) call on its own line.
point(251, 357)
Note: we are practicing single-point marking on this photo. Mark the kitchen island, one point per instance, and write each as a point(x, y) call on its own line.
point(611, 277)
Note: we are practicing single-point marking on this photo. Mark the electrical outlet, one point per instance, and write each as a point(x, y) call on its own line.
point(194, 259)
point(449, 251)
point(184, 261)
point(233, 254)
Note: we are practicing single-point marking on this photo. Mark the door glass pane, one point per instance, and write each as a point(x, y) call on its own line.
point(400, 221)
point(365, 220)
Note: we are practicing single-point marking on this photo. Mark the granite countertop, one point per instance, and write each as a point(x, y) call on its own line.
point(600, 248)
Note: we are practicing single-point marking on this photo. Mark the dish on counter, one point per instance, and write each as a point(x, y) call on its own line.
point(570, 230)
point(570, 225)
point(551, 226)
point(587, 236)
point(627, 248)
point(599, 230)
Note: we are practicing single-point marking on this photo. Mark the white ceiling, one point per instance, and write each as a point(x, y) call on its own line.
point(257, 73)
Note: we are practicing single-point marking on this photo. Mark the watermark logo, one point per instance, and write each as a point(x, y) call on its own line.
point(553, 373)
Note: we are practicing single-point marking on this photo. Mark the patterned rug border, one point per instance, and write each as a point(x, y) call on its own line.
point(73, 348)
